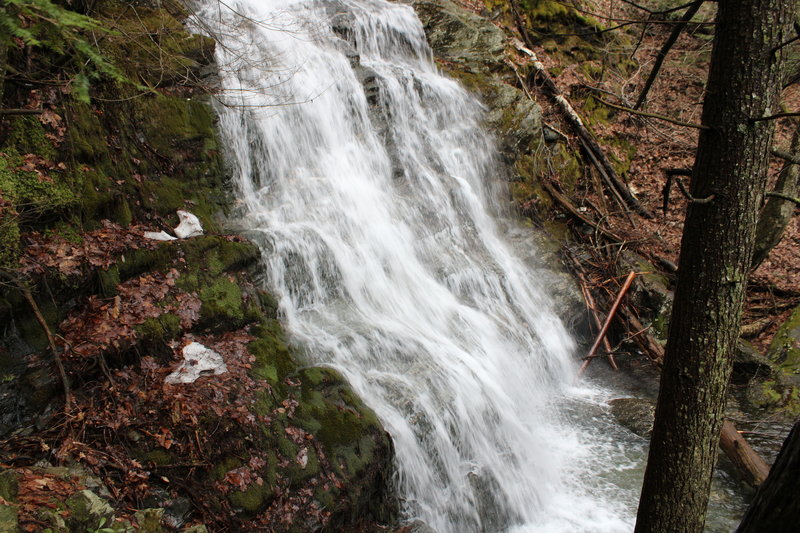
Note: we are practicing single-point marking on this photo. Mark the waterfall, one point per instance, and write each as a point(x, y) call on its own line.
point(366, 178)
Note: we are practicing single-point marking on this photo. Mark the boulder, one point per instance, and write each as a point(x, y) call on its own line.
point(88, 511)
point(636, 414)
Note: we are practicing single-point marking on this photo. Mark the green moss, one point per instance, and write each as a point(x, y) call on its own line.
point(595, 112)
point(785, 346)
point(28, 136)
point(222, 304)
point(274, 360)
point(108, 281)
point(254, 499)
point(155, 333)
point(159, 457)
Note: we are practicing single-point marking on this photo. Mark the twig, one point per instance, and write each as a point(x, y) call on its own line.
point(777, 115)
point(784, 197)
point(50, 340)
point(21, 111)
point(786, 156)
point(609, 318)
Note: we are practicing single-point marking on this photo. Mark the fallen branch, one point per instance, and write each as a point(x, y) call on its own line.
point(590, 304)
point(602, 162)
point(784, 197)
point(609, 318)
point(572, 210)
point(742, 455)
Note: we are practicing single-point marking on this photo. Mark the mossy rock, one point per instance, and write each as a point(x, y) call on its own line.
point(9, 485)
point(781, 392)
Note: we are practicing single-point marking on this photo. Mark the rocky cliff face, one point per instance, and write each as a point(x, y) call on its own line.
point(267, 444)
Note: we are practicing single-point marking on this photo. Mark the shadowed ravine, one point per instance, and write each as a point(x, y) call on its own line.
point(367, 181)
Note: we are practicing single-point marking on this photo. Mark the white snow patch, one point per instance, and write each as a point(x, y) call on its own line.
point(197, 360)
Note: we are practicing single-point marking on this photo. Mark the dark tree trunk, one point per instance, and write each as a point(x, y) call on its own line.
point(776, 507)
point(717, 246)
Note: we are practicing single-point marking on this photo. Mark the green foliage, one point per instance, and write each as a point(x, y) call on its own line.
point(43, 24)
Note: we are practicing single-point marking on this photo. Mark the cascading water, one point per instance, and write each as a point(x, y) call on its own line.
point(367, 180)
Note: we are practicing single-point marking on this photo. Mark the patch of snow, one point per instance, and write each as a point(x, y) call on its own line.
point(159, 236)
point(189, 227)
point(197, 360)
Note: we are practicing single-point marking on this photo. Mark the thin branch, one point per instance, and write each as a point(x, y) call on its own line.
point(786, 197)
point(786, 156)
point(776, 116)
point(21, 111)
point(662, 54)
point(653, 115)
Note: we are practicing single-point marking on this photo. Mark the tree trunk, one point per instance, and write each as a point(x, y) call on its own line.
point(778, 212)
point(776, 506)
point(716, 250)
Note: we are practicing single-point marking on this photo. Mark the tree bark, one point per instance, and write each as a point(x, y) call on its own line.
point(776, 506)
point(716, 250)
point(778, 211)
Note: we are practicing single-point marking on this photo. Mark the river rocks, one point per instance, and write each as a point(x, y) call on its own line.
point(636, 414)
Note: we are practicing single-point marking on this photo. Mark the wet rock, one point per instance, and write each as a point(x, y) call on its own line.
point(460, 36)
point(636, 414)
point(650, 293)
point(88, 511)
point(55, 520)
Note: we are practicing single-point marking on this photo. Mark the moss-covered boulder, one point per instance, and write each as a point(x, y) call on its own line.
point(780, 392)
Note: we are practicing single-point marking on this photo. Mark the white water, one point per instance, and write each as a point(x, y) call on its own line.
point(375, 195)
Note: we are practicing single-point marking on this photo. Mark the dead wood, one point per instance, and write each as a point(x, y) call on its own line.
point(749, 464)
point(602, 334)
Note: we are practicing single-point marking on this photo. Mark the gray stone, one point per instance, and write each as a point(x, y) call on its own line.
point(88, 512)
point(460, 36)
point(636, 414)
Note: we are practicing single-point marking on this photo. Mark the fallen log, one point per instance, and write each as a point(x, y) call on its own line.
point(742, 455)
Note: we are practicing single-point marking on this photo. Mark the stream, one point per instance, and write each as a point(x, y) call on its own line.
point(377, 198)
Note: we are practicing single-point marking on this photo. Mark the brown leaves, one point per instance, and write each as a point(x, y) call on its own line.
point(105, 324)
point(98, 249)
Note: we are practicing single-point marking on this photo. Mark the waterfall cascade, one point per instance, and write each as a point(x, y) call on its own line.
point(367, 180)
